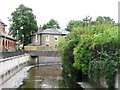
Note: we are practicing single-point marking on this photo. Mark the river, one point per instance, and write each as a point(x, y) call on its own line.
point(50, 76)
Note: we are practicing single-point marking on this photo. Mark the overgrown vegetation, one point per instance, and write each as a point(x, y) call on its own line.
point(93, 49)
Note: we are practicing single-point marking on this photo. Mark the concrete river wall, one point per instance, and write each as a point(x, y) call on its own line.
point(49, 60)
point(10, 66)
point(41, 57)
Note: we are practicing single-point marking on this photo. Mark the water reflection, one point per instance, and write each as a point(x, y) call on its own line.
point(48, 77)
point(67, 81)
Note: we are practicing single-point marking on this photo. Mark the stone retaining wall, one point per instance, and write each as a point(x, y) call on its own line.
point(10, 66)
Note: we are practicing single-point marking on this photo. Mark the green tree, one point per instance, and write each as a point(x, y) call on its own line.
point(87, 20)
point(79, 23)
point(73, 23)
point(23, 24)
point(104, 19)
point(50, 24)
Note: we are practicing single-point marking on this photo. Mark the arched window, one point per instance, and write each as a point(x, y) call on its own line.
point(6, 43)
point(3, 43)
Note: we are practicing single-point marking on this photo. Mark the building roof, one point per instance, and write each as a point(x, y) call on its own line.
point(52, 31)
point(2, 23)
point(5, 35)
point(63, 31)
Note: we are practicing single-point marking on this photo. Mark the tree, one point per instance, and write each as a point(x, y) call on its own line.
point(104, 19)
point(78, 23)
point(23, 24)
point(50, 24)
point(73, 23)
point(87, 20)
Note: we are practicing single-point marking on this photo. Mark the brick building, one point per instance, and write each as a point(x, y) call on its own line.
point(7, 43)
point(46, 39)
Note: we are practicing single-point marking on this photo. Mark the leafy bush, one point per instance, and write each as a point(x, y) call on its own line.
point(93, 49)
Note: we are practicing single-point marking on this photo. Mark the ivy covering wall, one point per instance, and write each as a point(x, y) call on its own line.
point(92, 48)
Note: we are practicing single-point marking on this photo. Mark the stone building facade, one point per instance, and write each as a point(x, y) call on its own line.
point(46, 40)
point(48, 37)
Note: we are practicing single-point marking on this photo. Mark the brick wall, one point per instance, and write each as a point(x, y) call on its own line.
point(7, 44)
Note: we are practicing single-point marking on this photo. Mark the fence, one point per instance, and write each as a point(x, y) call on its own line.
point(40, 48)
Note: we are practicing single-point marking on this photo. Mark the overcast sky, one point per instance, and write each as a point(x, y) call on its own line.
point(62, 10)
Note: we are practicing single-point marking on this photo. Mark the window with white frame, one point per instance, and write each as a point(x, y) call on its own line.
point(56, 38)
point(47, 38)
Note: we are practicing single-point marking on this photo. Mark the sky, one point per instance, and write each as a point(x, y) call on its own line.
point(61, 10)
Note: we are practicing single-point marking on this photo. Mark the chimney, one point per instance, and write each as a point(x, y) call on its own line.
point(40, 29)
point(54, 26)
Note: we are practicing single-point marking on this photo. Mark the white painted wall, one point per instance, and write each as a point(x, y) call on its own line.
point(9, 63)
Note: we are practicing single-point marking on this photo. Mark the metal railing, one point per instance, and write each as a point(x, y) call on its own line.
point(11, 54)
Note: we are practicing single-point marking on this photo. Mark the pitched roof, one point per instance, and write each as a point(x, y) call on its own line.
point(5, 35)
point(52, 31)
point(63, 31)
point(2, 23)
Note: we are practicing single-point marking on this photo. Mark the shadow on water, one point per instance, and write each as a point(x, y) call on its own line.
point(67, 81)
point(50, 76)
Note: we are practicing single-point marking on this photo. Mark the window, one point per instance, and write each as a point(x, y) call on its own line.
point(55, 46)
point(3, 43)
point(47, 38)
point(47, 45)
point(36, 38)
point(56, 38)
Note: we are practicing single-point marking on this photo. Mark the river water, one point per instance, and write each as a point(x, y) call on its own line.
point(50, 76)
